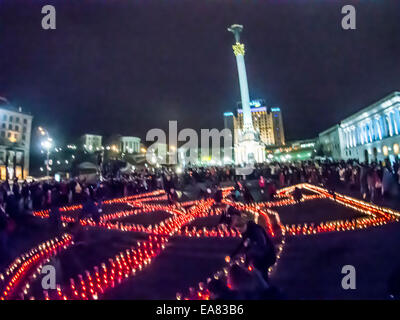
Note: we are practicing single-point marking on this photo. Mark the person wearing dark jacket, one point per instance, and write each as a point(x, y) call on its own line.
point(227, 216)
point(89, 208)
point(248, 198)
point(256, 245)
point(12, 206)
point(169, 187)
point(218, 196)
point(297, 195)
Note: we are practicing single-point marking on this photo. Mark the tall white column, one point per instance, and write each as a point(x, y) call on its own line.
point(238, 49)
point(348, 142)
point(379, 127)
point(397, 120)
point(389, 122)
point(394, 122)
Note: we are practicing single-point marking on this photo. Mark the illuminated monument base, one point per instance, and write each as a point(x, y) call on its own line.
point(249, 149)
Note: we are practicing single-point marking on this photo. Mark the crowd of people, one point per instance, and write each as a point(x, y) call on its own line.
point(373, 182)
point(19, 200)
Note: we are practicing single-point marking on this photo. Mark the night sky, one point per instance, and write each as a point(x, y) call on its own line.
point(128, 66)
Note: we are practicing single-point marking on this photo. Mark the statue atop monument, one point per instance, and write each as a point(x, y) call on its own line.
point(236, 29)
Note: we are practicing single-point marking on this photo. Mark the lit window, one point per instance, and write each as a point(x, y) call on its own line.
point(385, 150)
point(396, 148)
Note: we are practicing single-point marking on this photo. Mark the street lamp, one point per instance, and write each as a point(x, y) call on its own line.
point(47, 144)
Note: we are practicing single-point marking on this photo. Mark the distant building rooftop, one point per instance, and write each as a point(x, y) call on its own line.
point(5, 104)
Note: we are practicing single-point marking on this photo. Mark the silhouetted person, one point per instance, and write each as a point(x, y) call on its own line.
point(257, 246)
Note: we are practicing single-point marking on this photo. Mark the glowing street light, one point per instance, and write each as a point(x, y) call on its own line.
point(46, 144)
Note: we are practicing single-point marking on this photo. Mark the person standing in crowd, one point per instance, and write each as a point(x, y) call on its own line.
point(271, 190)
point(363, 180)
point(169, 186)
point(261, 184)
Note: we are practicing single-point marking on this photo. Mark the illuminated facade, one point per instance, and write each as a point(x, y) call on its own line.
point(129, 144)
point(248, 148)
point(267, 121)
point(299, 150)
point(15, 139)
point(372, 134)
point(91, 142)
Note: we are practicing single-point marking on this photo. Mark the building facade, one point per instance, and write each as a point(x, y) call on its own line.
point(212, 156)
point(91, 142)
point(300, 150)
point(277, 125)
point(267, 121)
point(329, 142)
point(129, 145)
point(372, 134)
point(15, 140)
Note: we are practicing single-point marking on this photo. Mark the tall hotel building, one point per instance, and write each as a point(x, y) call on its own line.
point(267, 121)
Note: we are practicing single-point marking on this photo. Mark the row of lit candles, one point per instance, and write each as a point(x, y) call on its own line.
point(145, 196)
point(200, 208)
point(24, 265)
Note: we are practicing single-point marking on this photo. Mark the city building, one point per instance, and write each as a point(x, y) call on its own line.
point(211, 156)
point(129, 145)
point(371, 134)
point(267, 121)
point(15, 139)
point(91, 142)
point(300, 150)
point(329, 143)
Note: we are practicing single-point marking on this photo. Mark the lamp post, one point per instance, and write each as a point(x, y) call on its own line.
point(47, 143)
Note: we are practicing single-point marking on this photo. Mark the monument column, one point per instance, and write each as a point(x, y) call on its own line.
point(238, 50)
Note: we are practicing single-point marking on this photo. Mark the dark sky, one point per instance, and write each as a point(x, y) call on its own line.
point(126, 66)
